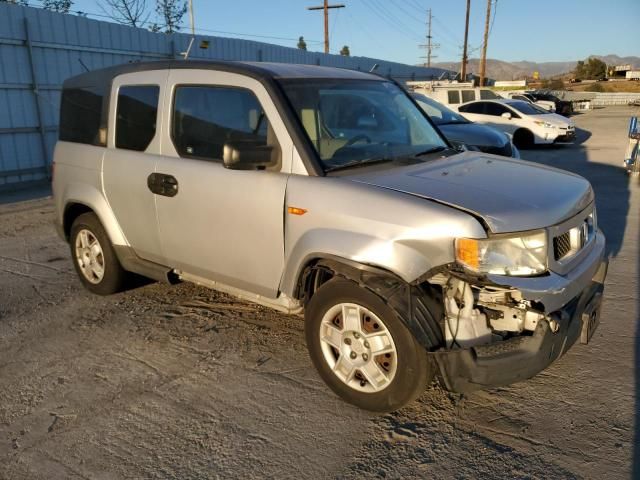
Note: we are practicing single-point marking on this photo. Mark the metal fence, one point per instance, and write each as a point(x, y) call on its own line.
point(40, 49)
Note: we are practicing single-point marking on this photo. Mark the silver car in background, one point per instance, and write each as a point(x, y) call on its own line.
point(330, 192)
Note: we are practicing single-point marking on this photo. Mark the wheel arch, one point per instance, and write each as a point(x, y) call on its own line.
point(82, 198)
point(419, 306)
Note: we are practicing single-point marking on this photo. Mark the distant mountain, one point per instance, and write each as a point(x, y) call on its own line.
point(499, 70)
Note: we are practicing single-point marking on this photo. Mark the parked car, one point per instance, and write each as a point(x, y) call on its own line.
point(527, 123)
point(460, 131)
point(453, 95)
point(547, 105)
point(277, 183)
point(563, 107)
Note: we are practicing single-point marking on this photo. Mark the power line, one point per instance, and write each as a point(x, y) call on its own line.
point(198, 30)
point(385, 17)
point(412, 16)
point(417, 6)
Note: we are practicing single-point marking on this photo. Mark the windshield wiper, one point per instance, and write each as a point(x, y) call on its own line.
point(358, 163)
point(431, 150)
point(453, 122)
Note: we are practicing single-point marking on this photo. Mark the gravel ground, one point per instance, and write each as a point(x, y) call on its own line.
point(182, 382)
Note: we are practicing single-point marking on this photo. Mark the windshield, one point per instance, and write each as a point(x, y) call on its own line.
point(439, 114)
point(527, 108)
point(352, 122)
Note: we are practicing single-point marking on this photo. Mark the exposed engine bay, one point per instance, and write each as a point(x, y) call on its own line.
point(480, 315)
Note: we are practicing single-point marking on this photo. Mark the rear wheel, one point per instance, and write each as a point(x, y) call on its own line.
point(93, 256)
point(362, 350)
point(523, 139)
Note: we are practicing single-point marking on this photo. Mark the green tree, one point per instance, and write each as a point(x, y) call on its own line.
point(592, 69)
point(61, 6)
point(302, 45)
point(345, 51)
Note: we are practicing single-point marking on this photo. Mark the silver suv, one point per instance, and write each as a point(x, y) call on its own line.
point(330, 192)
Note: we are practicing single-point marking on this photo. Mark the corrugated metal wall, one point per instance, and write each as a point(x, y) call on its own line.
point(40, 49)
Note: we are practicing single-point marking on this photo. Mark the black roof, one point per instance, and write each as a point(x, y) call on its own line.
point(259, 70)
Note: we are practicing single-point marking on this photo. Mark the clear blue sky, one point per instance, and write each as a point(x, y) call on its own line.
point(541, 30)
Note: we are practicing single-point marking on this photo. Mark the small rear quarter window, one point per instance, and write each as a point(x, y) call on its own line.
point(453, 96)
point(81, 115)
point(136, 116)
point(468, 96)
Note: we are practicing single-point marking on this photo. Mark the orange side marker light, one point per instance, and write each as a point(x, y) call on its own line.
point(296, 210)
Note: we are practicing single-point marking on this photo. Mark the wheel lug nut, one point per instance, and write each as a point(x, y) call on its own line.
point(366, 344)
point(356, 335)
point(347, 341)
point(365, 357)
point(353, 355)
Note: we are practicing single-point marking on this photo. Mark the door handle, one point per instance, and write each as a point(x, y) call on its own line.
point(163, 184)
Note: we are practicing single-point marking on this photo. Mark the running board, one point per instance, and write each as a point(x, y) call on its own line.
point(283, 303)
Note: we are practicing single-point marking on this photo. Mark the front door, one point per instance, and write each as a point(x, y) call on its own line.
point(220, 224)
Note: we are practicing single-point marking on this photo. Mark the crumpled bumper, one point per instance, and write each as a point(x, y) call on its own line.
point(503, 363)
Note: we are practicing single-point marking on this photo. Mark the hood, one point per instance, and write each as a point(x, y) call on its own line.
point(509, 195)
point(474, 134)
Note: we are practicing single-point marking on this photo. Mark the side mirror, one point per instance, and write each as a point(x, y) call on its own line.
point(249, 155)
point(506, 115)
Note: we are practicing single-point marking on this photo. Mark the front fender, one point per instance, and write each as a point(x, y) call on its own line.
point(369, 225)
point(393, 256)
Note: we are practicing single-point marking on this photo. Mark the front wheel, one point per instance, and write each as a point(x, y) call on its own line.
point(362, 350)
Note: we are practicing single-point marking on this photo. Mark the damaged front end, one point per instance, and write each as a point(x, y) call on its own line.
point(500, 332)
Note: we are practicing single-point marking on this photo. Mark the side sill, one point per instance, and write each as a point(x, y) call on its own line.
point(133, 263)
point(283, 303)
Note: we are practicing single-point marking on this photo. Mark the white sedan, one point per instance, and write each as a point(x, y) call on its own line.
point(529, 124)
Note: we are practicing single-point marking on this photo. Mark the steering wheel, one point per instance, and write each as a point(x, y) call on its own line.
point(357, 139)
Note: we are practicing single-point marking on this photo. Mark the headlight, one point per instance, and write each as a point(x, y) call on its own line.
point(544, 124)
point(506, 255)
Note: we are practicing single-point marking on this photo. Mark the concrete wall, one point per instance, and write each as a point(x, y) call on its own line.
point(40, 49)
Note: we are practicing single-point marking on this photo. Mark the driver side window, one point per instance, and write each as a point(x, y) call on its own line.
point(204, 118)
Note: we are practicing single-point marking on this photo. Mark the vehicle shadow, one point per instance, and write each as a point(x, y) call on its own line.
point(613, 188)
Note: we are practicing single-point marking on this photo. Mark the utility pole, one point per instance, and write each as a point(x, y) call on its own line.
point(326, 8)
point(483, 60)
point(429, 46)
point(191, 17)
point(463, 74)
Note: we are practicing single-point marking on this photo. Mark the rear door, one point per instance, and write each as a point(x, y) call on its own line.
point(222, 225)
point(133, 146)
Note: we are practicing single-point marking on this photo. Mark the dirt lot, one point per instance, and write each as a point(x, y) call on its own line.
point(182, 382)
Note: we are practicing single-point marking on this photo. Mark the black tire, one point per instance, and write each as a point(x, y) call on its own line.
point(115, 276)
point(414, 370)
point(523, 139)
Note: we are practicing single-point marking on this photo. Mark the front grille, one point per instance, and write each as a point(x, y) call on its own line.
point(561, 245)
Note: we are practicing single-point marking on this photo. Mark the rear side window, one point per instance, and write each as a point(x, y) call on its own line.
point(81, 115)
point(488, 95)
point(205, 118)
point(495, 109)
point(468, 96)
point(477, 107)
point(136, 116)
point(453, 96)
